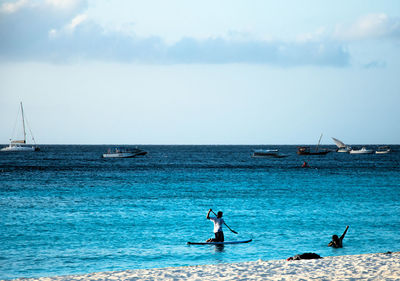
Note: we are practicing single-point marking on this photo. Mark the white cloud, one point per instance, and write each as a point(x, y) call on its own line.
point(53, 33)
point(45, 34)
point(318, 35)
point(63, 4)
point(76, 21)
point(372, 26)
point(13, 7)
point(60, 29)
point(68, 28)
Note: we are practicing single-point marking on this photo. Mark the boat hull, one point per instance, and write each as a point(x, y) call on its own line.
point(119, 155)
point(125, 154)
point(269, 156)
point(267, 153)
point(12, 148)
point(361, 151)
point(305, 150)
point(383, 150)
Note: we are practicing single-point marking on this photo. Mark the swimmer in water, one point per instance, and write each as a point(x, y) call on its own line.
point(337, 242)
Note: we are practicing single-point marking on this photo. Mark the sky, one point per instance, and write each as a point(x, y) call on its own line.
point(201, 72)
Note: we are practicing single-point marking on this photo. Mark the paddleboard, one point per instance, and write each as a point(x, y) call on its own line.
point(219, 243)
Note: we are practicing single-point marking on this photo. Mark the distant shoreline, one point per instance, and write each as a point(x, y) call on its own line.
point(380, 266)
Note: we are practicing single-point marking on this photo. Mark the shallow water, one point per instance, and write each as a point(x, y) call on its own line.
point(64, 210)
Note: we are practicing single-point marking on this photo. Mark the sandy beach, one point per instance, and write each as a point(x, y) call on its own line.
point(380, 266)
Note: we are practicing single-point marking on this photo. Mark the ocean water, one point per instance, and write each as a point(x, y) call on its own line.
point(65, 210)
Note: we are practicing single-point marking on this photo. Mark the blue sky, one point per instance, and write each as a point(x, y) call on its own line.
point(208, 72)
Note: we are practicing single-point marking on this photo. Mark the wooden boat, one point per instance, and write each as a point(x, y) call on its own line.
point(305, 150)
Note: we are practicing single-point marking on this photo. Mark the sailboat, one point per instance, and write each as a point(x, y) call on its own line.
point(305, 150)
point(18, 144)
point(341, 146)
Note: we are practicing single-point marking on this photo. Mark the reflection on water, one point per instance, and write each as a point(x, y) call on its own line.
point(219, 248)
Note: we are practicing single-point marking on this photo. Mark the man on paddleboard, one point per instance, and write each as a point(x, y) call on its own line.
point(218, 222)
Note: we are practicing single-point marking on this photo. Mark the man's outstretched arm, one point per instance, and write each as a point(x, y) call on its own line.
point(208, 214)
point(344, 233)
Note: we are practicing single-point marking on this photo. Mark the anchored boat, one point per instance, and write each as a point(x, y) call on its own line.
point(305, 150)
point(341, 146)
point(363, 150)
point(124, 153)
point(18, 144)
point(267, 153)
point(383, 150)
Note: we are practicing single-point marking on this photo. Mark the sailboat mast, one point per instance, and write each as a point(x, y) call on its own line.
point(319, 142)
point(23, 121)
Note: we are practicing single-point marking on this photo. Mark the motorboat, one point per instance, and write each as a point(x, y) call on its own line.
point(363, 150)
point(267, 153)
point(124, 153)
point(383, 150)
point(20, 145)
point(341, 146)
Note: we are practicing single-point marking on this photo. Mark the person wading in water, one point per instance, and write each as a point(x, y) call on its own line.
point(218, 222)
point(337, 241)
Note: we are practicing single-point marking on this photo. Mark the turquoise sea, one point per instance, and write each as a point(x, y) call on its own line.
point(65, 210)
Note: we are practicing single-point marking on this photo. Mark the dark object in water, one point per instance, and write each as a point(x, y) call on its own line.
point(305, 256)
point(305, 150)
point(305, 165)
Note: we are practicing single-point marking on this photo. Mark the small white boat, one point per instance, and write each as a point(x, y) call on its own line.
point(124, 153)
point(383, 150)
point(363, 150)
point(19, 145)
point(341, 146)
point(267, 153)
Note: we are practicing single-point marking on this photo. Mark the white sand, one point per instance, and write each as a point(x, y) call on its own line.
point(357, 267)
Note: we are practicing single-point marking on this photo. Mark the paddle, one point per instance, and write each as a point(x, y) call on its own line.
point(225, 223)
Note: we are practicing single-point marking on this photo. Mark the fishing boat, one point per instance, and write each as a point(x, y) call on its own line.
point(262, 153)
point(383, 150)
point(18, 144)
point(341, 146)
point(124, 153)
point(305, 150)
point(363, 150)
